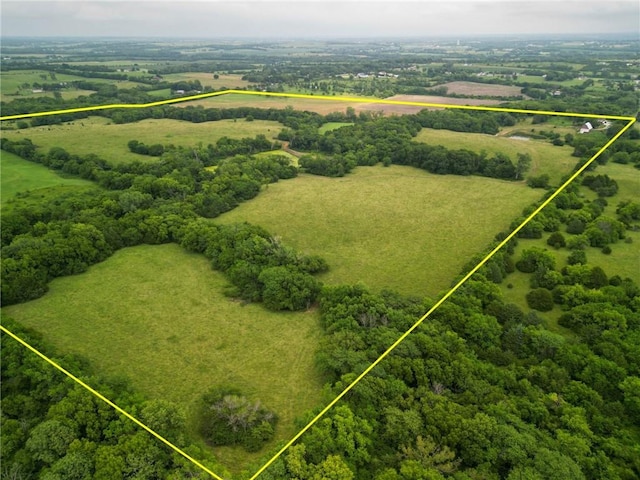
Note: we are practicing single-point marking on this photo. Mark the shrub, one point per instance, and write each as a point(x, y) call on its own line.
point(541, 181)
point(577, 257)
point(556, 240)
point(229, 418)
point(606, 250)
point(540, 299)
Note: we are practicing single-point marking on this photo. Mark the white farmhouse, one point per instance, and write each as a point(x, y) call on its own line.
point(586, 128)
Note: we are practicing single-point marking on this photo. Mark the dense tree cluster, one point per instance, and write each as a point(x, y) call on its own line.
point(259, 267)
point(154, 150)
point(325, 165)
point(388, 141)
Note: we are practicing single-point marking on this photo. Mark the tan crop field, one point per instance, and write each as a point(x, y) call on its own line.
point(481, 89)
point(324, 106)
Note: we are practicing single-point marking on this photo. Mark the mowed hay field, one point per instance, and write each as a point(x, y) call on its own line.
point(109, 141)
point(388, 227)
point(19, 175)
point(176, 335)
point(546, 158)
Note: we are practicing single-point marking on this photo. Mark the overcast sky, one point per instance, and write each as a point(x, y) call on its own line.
point(269, 19)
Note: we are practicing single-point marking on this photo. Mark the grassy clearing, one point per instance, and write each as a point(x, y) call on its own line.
point(109, 141)
point(176, 334)
point(18, 175)
point(329, 126)
point(227, 81)
point(624, 259)
point(520, 286)
point(162, 93)
point(394, 227)
point(281, 153)
point(546, 158)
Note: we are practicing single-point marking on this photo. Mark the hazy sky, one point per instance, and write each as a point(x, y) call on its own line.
point(210, 18)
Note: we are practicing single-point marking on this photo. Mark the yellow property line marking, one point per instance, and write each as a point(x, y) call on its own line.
point(313, 97)
point(109, 402)
point(630, 121)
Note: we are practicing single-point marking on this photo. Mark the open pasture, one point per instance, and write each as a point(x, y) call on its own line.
point(109, 141)
point(389, 227)
point(546, 158)
point(19, 83)
point(227, 81)
point(177, 335)
point(18, 175)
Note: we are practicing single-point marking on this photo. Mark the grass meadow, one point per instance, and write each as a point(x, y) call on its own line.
point(226, 81)
point(546, 158)
point(109, 141)
point(388, 227)
point(18, 175)
point(11, 82)
point(176, 334)
point(329, 126)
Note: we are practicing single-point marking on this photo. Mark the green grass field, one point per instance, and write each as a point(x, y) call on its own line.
point(177, 335)
point(327, 127)
point(11, 84)
point(546, 158)
point(228, 81)
point(281, 153)
point(394, 227)
point(18, 175)
point(109, 141)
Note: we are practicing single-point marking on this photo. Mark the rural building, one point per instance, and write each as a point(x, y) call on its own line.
point(586, 128)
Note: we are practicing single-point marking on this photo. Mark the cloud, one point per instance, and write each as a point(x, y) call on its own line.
point(267, 18)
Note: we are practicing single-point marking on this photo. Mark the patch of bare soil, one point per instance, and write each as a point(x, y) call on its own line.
point(481, 89)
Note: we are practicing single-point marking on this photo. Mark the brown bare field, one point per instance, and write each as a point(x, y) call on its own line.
point(324, 107)
point(481, 89)
point(409, 109)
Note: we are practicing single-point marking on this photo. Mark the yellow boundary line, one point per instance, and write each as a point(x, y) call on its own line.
point(630, 121)
point(313, 97)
